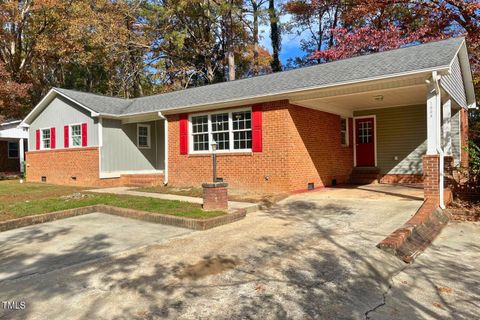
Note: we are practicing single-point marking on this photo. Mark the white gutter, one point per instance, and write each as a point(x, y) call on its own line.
point(165, 127)
point(436, 77)
point(100, 146)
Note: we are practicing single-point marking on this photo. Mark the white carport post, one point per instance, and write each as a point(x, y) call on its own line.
point(21, 154)
point(433, 112)
point(447, 126)
point(433, 161)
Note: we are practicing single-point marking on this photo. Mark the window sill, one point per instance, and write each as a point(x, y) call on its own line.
point(220, 154)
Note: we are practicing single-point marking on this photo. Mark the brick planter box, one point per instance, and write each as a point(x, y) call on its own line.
point(189, 223)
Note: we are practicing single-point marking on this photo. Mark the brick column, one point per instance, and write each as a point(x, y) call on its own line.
point(215, 196)
point(448, 181)
point(431, 177)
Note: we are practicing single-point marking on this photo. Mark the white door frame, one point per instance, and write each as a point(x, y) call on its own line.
point(355, 137)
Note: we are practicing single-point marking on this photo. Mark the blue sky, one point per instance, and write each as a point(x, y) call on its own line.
point(290, 42)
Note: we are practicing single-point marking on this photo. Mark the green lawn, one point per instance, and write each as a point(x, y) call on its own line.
point(19, 200)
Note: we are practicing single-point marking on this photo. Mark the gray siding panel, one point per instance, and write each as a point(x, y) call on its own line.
point(401, 133)
point(456, 136)
point(453, 84)
point(61, 112)
point(120, 152)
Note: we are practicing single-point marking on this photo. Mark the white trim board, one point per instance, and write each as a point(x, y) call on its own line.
point(117, 174)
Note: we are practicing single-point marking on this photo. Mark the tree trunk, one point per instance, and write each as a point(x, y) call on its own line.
point(230, 52)
point(255, 37)
point(275, 36)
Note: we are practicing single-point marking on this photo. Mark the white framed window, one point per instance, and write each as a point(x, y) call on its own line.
point(13, 150)
point(344, 131)
point(143, 136)
point(75, 135)
point(231, 130)
point(46, 139)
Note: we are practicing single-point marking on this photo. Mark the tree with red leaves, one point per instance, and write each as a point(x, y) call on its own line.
point(372, 26)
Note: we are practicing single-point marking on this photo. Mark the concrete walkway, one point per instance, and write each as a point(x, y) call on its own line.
point(250, 207)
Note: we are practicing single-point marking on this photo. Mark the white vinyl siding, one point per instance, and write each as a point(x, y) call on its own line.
point(453, 84)
point(401, 138)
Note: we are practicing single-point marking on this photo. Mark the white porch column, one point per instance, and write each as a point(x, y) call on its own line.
point(447, 127)
point(21, 155)
point(433, 113)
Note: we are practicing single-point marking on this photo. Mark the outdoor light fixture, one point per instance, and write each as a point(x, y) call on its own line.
point(214, 157)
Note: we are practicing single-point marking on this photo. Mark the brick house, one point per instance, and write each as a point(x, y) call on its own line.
point(13, 140)
point(380, 116)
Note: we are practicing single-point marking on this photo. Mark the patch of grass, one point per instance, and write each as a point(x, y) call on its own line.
point(14, 191)
point(48, 198)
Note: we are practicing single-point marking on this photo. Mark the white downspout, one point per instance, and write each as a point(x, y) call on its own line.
point(436, 77)
point(165, 127)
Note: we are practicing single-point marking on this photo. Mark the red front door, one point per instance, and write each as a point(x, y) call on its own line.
point(365, 142)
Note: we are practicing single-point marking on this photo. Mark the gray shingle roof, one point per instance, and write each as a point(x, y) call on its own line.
point(96, 102)
point(388, 63)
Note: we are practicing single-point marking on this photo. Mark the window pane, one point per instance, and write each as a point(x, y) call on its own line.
point(143, 141)
point(242, 120)
point(200, 124)
point(220, 122)
point(200, 142)
point(242, 140)
point(76, 141)
point(76, 133)
point(13, 150)
point(222, 140)
point(143, 131)
point(46, 138)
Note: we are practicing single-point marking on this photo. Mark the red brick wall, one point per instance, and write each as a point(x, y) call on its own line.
point(6, 164)
point(464, 137)
point(315, 151)
point(59, 166)
point(300, 145)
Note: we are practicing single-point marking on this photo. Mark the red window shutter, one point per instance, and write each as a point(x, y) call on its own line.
point(257, 128)
point(184, 133)
point(37, 136)
point(53, 138)
point(65, 136)
point(84, 135)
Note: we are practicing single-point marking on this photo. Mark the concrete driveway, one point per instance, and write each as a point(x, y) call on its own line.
point(311, 256)
point(55, 245)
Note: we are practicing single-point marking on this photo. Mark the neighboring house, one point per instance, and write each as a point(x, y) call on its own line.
point(13, 140)
point(287, 131)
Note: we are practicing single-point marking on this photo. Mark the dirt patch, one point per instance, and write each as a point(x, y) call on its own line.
point(265, 200)
point(462, 210)
point(207, 267)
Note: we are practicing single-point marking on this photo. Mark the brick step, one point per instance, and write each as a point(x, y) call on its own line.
point(366, 170)
point(417, 234)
